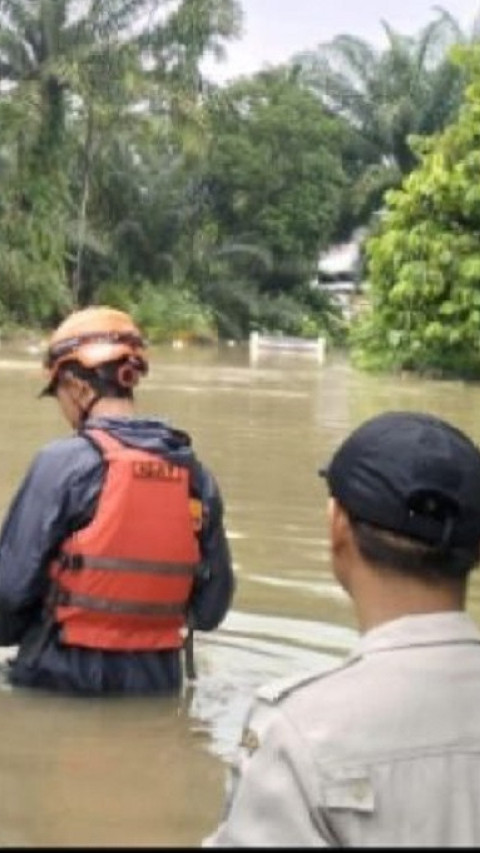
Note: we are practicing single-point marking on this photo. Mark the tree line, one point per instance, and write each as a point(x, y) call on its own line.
point(128, 177)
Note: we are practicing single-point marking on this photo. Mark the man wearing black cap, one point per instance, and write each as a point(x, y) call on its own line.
point(383, 750)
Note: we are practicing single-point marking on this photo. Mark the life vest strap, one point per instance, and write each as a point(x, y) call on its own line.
point(108, 605)
point(76, 562)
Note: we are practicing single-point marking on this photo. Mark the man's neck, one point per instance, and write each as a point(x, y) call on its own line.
point(112, 407)
point(392, 596)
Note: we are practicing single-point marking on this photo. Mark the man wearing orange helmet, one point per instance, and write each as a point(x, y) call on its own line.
point(114, 544)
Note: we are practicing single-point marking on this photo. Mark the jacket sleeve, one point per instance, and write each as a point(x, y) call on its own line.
point(270, 802)
point(213, 589)
point(44, 509)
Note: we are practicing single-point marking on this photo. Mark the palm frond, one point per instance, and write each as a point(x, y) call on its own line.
point(16, 55)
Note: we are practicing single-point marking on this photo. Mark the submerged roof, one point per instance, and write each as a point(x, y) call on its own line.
point(342, 258)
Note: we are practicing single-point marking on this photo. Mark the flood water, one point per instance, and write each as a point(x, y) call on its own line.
point(149, 771)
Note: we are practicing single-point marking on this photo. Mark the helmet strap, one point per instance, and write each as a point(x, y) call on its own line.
point(85, 413)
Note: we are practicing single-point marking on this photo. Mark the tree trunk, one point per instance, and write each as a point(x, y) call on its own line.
point(83, 212)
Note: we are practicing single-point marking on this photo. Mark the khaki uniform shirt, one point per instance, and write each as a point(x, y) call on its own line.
point(383, 750)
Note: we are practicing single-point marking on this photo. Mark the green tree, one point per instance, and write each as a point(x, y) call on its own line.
point(272, 177)
point(40, 43)
point(46, 50)
point(100, 96)
point(424, 261)
point(385, 96)
point(148, 189)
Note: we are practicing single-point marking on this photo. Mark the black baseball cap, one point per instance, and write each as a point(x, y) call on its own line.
point(413, 474)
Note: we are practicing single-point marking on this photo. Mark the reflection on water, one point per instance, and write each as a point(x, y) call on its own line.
point(248, 650)
point(151, 771)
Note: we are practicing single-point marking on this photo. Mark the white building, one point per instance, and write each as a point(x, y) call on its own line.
point(338, 271)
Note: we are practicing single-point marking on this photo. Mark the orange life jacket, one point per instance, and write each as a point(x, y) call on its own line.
point(123, 581)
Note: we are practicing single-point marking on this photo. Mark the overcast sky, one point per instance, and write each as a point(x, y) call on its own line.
point(276, 29)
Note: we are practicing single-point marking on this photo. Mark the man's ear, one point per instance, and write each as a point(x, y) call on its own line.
point(338, 525)
point(341, 542)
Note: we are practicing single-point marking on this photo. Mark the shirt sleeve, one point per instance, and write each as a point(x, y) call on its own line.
point(213, 590)
point(271, 790)
point(58, 489)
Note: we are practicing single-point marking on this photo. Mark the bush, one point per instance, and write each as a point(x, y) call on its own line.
point(163, 312)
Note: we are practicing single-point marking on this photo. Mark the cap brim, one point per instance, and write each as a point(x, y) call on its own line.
point(323, 472)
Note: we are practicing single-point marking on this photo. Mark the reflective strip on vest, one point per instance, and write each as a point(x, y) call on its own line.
point(105, 605)
point(121, 565)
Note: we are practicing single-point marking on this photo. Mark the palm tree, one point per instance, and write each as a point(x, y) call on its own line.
point(386, 95)
point(71, 72)
point(43, 42)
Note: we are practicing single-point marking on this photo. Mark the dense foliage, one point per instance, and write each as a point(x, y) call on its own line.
point(273, 180)
point(385, 95)
point(100, 136)
point(128, 177)
point(424, 261)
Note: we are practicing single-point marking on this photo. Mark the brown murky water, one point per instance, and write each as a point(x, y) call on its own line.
point(146, 772)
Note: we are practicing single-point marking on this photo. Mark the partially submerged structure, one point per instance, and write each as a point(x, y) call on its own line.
point(339, 272)
point(279, 343)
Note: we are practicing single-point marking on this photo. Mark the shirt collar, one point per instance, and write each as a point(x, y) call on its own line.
point(418, 630)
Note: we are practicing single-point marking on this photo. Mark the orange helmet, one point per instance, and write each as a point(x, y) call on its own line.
point(94, 336)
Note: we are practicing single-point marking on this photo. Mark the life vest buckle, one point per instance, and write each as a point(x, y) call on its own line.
point(73, 562)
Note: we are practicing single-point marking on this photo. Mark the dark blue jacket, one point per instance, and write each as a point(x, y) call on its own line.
point(59, 495)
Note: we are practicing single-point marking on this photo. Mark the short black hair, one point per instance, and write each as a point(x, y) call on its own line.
point(391, 551)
